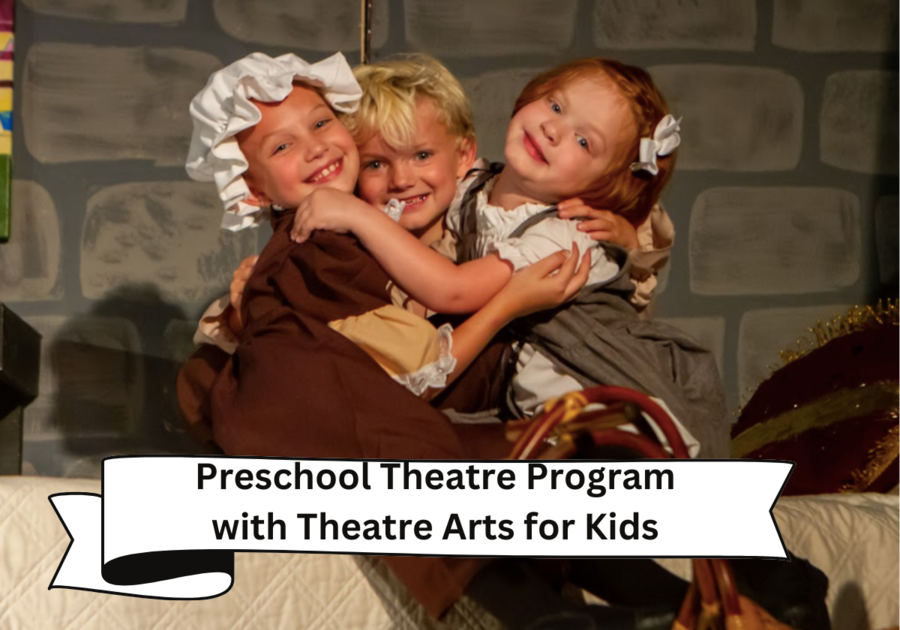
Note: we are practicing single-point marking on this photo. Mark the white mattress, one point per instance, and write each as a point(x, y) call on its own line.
point(853, 538)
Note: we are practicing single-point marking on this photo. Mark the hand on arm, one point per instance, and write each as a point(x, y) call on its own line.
point(600, 225)
point(425, 275)
point(547, 284)
point(328, 209)
point(533, 288)
point(236, 290)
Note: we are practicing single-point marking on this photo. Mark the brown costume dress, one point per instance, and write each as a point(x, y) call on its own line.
point(297, 388)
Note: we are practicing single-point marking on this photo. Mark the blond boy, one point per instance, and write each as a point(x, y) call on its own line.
point(416, 136)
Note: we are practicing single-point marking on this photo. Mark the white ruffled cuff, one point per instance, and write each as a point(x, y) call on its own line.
point(434, 374)
point(212, 330)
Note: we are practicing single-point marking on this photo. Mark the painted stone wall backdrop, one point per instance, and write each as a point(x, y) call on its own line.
point(783, 196)
point(784, 199)
point(115, 252)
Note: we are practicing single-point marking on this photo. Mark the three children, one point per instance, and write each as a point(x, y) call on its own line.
point(574, 133)
point(294, 386)
point(302, 381)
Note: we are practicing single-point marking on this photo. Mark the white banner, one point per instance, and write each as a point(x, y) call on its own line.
point(167, 527)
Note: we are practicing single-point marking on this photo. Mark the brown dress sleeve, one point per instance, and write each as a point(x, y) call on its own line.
point(296, 388)
point(195, 380)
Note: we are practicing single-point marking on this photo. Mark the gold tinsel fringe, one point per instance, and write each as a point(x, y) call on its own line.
point(856, 319)
point(878, 459)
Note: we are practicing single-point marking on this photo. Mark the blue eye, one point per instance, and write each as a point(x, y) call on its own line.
point(423, 155)
point(322, 123)
point(583, 142)
point(555, 107)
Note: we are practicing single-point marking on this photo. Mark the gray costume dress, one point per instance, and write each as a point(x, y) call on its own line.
point(599, 340)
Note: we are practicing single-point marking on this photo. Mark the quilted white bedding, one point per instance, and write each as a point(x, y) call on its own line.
point(853, 538)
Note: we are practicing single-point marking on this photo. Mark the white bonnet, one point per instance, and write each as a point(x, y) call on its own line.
point(223, 109)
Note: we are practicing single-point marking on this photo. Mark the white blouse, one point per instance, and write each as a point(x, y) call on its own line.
point(537, 378)
point(496, 224)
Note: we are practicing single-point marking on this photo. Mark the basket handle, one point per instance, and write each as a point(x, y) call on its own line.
point(609, 394)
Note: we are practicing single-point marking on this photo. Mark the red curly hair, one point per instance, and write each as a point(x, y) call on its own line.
point(631, 194)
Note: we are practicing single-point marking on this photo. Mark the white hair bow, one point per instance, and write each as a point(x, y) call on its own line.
point(665, 140)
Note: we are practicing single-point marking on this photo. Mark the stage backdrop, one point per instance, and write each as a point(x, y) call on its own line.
point(784, 199)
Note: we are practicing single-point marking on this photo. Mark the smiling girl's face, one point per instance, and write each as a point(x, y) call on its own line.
point(298, 146)
point(557, 147)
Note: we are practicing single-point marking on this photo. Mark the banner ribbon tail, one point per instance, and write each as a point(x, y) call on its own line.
point(183, 574)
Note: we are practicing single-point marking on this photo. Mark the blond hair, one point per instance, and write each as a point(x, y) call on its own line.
point(391, 90)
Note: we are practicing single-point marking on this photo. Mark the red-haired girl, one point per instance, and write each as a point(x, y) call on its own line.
point(594, 129)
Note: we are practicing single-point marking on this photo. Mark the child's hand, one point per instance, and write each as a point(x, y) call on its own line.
point(537, 288)
point(239, 281)
point(236, 290)
point(601, 225)
point(326, 209)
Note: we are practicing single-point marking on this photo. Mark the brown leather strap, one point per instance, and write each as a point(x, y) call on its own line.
point(727, 587)
point(706, 582)
point(565, 415)
point(638, 443)
point(537, 431)
point(609, 394)
point(687, 615)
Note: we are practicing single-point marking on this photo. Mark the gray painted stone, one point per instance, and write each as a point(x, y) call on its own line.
point(162, 233)
point(835, 25)
point(29, 261)
point(89, 467)
point(141, 11)
point(178, 340)
point(886, 232)
point(301, 25)
point(493, 95)
point(690, 24)
point(746, 241)
point(765, 333)
point(91, 382)
point(858, 123)
point(178, 346)
point(736, 118)
point(709, 331)
point(43, 458)
point(473, 28)
point(663, 279)
point(83, 103)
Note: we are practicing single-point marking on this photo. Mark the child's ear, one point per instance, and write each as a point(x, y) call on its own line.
point(467, 151)
point(257, 197)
